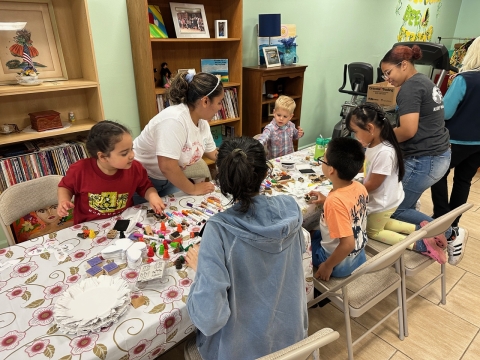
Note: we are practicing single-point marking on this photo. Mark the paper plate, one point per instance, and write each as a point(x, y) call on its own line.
point(92, 304)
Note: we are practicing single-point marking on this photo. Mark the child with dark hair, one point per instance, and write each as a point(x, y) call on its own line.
point(384, 170)
point(104, 184)
point(338, 247)
point(249, 282)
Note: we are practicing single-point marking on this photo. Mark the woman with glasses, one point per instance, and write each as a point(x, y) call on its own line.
point(463, 123)
point(421, 133)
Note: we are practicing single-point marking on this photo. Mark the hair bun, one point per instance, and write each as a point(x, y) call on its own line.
point(416, 52)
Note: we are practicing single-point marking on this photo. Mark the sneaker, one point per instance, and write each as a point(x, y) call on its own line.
point(440, 239)
point(434, 251)
point(456, 245)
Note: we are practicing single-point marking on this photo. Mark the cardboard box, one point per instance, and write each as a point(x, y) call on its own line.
point(382, 94)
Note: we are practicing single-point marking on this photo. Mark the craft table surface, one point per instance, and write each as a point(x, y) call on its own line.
point(29, 289)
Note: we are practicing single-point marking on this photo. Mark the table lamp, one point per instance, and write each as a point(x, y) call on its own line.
point(269, 25)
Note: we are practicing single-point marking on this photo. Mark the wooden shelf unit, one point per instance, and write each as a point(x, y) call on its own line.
point(288, 79)
point(184, 53)
point(80, 93)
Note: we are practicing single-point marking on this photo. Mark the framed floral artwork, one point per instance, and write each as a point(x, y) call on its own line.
point(37, 43)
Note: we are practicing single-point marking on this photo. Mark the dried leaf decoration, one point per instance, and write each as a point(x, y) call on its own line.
point(26, 295)
point(182, 274)
point(53, 329)
point(49, 351)
point(101, 351)
point(45, 256)
point(157, 309)
point(67, 259)
point(31, 279)
point(74, 270)
point(66, 357)
point(172, 335)
point(124, 357)
point(35, 304)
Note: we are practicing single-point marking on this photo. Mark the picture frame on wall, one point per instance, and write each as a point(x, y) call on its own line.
point(221, 29)
point(38, 39)
point(272, 57)
point(189, 20)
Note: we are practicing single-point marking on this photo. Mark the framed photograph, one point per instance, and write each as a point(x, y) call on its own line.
point(272, 58)
point(189, 20)
point(185, 70)
point(38, 40)
point(221, 29)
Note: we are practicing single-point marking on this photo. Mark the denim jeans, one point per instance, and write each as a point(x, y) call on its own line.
point(344, 268)
point(163, 187)
point(421, 172)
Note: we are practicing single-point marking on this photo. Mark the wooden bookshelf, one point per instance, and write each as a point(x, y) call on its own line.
point(80, 93)
point(184, 53)
point(288, 79)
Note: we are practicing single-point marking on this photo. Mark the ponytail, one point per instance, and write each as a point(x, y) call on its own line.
point(242, 166)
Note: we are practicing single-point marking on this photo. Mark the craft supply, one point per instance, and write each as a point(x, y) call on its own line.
point(178, 264)
point(151, 271)
point(148, 230)
point(94, 271)
point(150, 252)
point(94, 261)
point(161, 249)
point(91, 304)
point(91, 235)
point(163, 227)
point(111, 268)
point(138, 301)
point(179, 228)
point(112, 234)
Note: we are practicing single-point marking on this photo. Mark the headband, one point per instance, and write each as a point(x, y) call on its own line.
point(218, 82)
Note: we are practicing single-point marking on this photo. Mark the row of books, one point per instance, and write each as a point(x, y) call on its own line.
point(53, 159)
point(162, 102)
point(221, 133)
point(229, 108)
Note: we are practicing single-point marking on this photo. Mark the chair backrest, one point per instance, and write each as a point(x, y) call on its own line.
point(302, 349)
point(22, 198)
point(441, 224)
point(198, 170)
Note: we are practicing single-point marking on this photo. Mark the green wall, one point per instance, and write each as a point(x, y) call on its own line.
point(468, 24)
point(332, 33)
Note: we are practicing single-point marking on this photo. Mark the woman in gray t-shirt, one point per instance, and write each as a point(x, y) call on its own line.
point(422, 135)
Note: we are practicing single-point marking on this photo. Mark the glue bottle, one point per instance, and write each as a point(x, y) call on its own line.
point(319, 148)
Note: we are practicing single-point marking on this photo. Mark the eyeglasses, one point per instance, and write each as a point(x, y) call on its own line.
point(319, 160)
point(386, 74)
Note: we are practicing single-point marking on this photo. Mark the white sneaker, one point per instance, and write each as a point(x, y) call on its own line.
point(456, 246)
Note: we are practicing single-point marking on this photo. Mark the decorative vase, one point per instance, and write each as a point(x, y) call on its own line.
point(288, 57)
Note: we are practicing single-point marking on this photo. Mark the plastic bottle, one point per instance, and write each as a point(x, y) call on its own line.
point(319, 148)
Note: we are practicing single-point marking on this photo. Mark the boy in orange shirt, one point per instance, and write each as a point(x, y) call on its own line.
point(338, 248)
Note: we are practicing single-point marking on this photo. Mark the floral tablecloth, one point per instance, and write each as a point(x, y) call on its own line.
point(29, 289)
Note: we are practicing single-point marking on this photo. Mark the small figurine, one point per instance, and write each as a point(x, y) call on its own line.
point(179, 228)
point(91, 235)
point(165, 75)
point(71, 117)
point(150, 253)
point(163, 227)
point(161, 249)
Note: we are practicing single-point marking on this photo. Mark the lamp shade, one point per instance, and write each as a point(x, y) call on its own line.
point(269, 25)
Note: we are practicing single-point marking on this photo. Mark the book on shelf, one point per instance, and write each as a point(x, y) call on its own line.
point(217, 67)
point(156, 23)
point(18, 149)
point(162, 102)
point(217, 134)
point(229, 108)
point(52, 157)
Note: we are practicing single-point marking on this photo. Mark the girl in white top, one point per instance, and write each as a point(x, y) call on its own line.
point(384, 170)
point(179, 136)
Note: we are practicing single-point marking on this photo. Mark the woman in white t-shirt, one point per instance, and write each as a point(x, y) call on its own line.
point(384, 170)
point(180, 135)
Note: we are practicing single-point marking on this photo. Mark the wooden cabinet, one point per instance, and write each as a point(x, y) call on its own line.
point(184, 53)
point(80, 93)
point(258, 81)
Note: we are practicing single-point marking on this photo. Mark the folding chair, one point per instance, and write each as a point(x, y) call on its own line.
point(372, 282)
point(298, 351)
point(22, 198)
point(413, 262)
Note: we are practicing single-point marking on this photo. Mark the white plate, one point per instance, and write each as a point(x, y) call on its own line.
point(29, 129)
point(92, 304)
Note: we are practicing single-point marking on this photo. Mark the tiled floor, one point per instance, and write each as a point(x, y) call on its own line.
point(437, 332)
